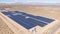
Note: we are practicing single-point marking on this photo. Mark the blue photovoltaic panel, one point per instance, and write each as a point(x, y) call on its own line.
point(27, 20)
point(38, 17)
point(24, 22)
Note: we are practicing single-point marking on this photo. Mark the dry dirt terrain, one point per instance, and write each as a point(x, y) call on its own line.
point(49, 12)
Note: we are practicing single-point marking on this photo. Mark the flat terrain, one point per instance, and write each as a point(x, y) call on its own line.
point(49, 12)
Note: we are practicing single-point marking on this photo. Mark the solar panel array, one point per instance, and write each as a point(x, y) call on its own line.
point(27, 20)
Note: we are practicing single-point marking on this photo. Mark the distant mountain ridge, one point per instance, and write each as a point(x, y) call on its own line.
point(41, 4)
point(18, 3)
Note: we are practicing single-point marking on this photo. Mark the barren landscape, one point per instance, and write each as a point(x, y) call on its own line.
point(49, 12)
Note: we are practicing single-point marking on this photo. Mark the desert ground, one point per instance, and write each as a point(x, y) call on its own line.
point(49, 12)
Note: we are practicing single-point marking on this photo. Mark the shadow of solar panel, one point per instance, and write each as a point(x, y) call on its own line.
point(28, 23)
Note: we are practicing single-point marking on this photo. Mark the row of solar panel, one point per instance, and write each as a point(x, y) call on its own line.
point(37, 17)
point(20, 17)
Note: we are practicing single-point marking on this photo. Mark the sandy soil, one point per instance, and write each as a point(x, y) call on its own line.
point(4, 29)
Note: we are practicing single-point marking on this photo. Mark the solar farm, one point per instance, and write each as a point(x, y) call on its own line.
point(29, 21)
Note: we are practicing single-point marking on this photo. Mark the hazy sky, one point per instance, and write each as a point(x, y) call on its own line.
point(27, 1)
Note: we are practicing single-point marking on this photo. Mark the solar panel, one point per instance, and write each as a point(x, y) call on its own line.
point(44, 19)
point(27, 20)
point(37, 17)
